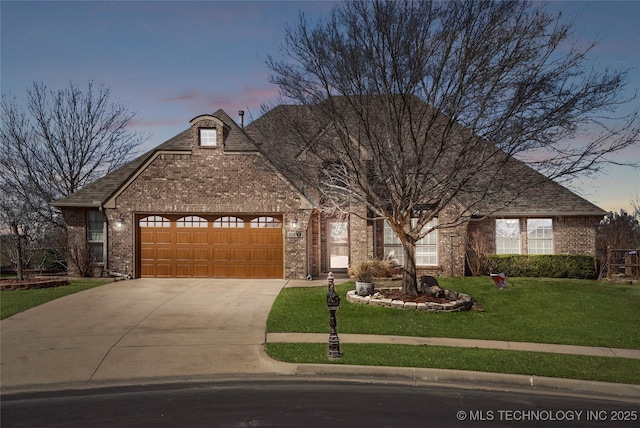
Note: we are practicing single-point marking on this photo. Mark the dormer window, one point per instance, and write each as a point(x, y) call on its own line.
point(208, 137)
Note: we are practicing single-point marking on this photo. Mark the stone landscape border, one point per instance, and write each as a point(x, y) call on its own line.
point(460, 302)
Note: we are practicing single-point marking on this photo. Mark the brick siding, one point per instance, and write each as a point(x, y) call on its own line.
point(208, 181)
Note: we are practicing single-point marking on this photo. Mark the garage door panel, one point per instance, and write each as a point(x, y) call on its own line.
point(184, 270)
point(184, 237)
point(162, 237)
point(184, 253)
point(275, 254)
point(200, 236)
point(163, 270)
point(201, 253)
point(237, 255)
point(201, 270)
point(147, 252)
point(258, 254)
point(237, 237)
point(164, 253)
point(238, 271)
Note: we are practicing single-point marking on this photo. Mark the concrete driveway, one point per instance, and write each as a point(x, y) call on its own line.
point(141, 330)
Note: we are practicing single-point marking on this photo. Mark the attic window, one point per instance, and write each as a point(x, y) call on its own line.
point(208, 137)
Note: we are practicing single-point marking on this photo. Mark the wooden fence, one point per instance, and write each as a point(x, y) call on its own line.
point(623, 262)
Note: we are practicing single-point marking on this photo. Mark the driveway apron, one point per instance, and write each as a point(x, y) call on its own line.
point(140, 329)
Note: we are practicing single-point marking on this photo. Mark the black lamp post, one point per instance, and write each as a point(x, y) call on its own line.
point(333, 303)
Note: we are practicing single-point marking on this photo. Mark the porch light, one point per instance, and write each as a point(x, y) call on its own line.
point(119, 224)
point(294, 224)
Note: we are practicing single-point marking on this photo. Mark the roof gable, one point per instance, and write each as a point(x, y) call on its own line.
point(97, 193)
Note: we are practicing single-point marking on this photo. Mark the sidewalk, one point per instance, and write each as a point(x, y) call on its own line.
point(462, 343)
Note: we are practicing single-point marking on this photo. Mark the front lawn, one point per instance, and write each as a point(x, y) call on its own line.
point(562, 311)
point(12, 302)
point(604, 369)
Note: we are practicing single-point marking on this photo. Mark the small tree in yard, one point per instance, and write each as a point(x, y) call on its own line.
point(50, 147)
point(410, 107)
point(618, 231)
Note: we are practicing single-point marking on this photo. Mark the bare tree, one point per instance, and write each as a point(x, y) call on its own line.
point(619, 231)
point(411, 107)
point(53, 145)
point(635, 204)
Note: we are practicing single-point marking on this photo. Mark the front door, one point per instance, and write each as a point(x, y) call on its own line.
point(338, 245)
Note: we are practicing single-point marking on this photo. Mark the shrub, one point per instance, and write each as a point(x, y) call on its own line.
point(548, 266)
point(371, 268)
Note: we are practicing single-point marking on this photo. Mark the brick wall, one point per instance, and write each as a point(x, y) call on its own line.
point(575, 235)
point(209, 181)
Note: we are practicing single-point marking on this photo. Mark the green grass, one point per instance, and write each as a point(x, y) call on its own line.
point(605, 369)
point(562, 311)
point(12, 302)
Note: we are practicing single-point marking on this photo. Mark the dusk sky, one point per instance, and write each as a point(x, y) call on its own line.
point(172, 61)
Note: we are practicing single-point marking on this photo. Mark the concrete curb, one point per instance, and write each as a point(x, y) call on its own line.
point(410, 376)
point(473, 380)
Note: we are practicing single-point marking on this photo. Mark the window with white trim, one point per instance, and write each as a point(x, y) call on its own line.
point(540, 235)
point(208, 137)
point(508, 236)
point(95, 234)
point(426, 248)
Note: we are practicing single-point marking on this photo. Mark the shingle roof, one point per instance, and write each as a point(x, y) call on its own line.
point(237, 140)
point(98, 192)
point(547, 198)
point(550, 198)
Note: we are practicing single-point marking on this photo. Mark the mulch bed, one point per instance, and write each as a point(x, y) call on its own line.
point(32, 283)
point(420, 298)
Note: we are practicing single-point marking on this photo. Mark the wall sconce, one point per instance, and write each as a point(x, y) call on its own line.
point(293, 229)
point(119, 224)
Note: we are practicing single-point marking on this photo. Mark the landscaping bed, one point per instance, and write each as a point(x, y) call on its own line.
point(32, 283)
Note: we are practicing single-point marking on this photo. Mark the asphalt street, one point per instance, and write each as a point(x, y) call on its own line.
point(309, 404)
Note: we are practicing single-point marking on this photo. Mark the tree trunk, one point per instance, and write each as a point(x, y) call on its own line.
point(409, 281)
point(19, 252)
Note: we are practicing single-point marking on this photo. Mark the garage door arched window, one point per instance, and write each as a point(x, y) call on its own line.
point(192, 221)
point(154, 221)
point(229, 221)
point(260, 222)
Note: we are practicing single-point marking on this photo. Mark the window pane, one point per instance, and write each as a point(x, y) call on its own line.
point(540, 236)
point(265, 222)
point(507, 236)
point(97, 251)
point(208, 137)
point(154, 221)
point(426, 248)
point(191, 221)
point(95, 234)
point(228, 222)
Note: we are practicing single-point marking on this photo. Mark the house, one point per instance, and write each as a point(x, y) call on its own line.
point(209, 202)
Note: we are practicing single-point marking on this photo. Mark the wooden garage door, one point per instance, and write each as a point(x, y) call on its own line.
point(211, 246)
